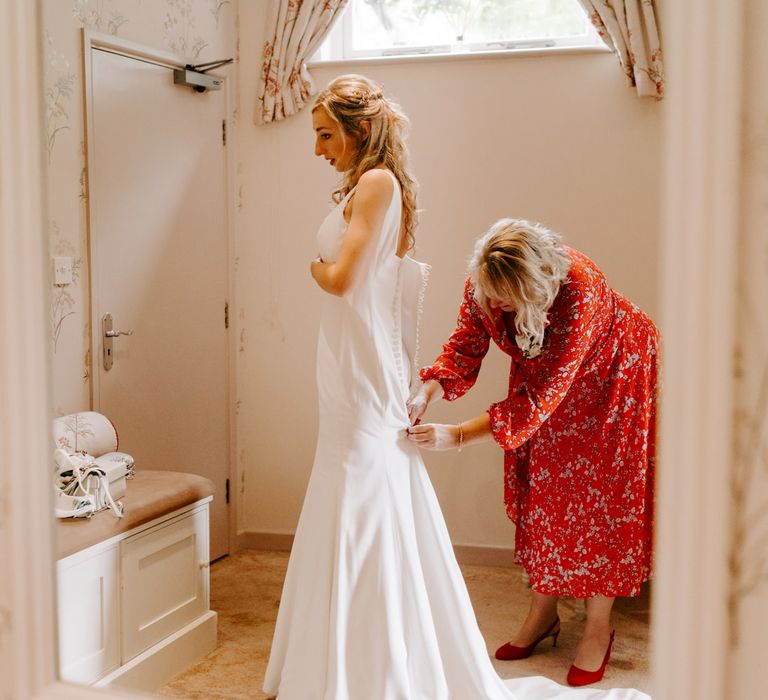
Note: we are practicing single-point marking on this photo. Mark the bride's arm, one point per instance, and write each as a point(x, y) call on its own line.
point(371, 200)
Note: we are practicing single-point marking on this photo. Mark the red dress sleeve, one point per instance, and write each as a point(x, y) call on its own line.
point(459, 364)
point(543, 381)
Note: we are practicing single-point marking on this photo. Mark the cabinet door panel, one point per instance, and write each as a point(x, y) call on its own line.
point(89, 616)
point(165, 581)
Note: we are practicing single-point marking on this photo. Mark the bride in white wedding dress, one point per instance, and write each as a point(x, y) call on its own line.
point(374, 606)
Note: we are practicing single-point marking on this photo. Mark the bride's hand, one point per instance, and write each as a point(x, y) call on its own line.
point(434, 436)
point(417, 404)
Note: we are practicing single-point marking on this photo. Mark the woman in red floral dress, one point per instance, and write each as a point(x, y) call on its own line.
point(577, 426)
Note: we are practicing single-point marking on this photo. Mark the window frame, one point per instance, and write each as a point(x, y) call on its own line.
point(337, 47)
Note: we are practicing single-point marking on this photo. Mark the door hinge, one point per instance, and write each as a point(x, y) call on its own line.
point(226, 314)
point(227, 492)
point(223, 132)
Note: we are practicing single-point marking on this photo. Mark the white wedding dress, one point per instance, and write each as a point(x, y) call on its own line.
point(374, 606)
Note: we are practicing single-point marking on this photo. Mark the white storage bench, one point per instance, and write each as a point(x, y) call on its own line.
point(133, 593)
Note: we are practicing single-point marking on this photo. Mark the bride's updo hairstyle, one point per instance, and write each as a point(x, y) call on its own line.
point(351, 100)
point(525, 264)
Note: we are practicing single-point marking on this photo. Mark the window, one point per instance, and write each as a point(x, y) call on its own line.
point(408, 27)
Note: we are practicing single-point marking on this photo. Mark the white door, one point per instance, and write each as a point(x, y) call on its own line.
point(159, 240)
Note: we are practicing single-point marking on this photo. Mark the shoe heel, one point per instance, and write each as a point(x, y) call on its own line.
point(578, 676)
point(509, 652)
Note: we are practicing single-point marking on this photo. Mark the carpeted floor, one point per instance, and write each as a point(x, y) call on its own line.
point(245, 591)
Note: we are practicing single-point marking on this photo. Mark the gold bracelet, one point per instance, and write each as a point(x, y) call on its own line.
point(461, 436)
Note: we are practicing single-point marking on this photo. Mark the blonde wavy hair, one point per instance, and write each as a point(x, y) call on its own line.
point(524, 264)
point(351, 100)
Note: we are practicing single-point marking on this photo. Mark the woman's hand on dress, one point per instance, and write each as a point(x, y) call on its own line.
point(434, 436)
point(417, 404)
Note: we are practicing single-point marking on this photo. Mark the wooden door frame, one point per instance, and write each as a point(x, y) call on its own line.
point(92, 40)
point(701, 205)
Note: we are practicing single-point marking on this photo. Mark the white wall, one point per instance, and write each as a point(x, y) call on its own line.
point(560, 139)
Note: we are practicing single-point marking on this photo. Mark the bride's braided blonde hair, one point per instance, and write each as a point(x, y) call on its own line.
point(353, 99)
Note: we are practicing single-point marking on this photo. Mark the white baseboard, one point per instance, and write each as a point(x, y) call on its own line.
point(165, 660)
point(482, 555)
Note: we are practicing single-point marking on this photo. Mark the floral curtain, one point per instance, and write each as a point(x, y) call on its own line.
point(294, 32)
point(629, 29)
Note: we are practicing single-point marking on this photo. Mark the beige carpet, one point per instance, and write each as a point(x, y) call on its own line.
point(245, 590)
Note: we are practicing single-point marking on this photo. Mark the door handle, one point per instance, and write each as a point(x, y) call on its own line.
point(109, 333)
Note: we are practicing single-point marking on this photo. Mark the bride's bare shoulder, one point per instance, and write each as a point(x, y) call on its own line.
point(375, 183)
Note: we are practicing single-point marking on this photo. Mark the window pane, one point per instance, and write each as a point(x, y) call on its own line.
point(389, 24)
point(508, 20)
point(382, 24)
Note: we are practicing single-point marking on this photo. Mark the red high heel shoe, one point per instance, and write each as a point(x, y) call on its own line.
point(509, 652)
point(578, 676)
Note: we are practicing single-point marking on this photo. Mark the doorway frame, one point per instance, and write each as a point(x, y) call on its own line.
point(701, 206)
point(92, 40)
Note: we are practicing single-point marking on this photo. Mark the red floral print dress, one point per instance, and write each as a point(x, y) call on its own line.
point(578, 433)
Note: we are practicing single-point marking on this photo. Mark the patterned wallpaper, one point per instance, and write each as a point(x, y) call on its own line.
point(196, 31)
point(749, 483)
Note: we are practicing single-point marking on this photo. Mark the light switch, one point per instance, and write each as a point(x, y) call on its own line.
point(62, 271)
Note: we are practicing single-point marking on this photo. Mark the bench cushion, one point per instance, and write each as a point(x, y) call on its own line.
point(150, 495)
